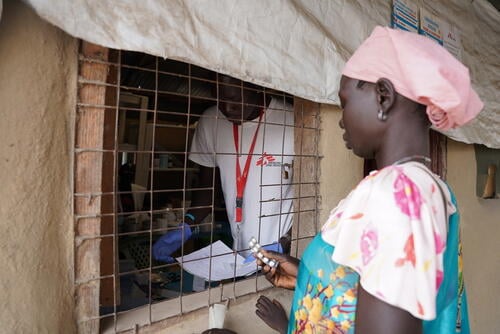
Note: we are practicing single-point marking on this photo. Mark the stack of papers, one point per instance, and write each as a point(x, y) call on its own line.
point(216, 262)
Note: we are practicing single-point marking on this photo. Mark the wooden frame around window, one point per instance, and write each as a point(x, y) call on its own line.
point(96, 279)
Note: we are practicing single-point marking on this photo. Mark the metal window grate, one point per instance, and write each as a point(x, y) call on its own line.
point(134, 181)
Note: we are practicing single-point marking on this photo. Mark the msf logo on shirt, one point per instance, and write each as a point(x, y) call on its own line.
point(265, 159)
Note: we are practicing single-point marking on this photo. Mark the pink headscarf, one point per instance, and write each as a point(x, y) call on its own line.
point(420, 70)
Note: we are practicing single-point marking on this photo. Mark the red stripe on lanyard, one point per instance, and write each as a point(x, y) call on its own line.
point(241, 178)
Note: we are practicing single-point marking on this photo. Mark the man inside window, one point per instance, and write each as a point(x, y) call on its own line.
point(249, 136)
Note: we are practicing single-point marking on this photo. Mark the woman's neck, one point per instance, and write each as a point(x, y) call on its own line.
point(407, 139)
point(417, 158)
point(413, 150)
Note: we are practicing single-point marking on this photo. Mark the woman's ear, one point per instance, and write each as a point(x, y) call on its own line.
point(386, 95)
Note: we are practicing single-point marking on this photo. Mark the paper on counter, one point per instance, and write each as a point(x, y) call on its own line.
point(216, 264)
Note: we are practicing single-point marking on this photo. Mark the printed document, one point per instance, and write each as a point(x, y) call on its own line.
point(216, 262)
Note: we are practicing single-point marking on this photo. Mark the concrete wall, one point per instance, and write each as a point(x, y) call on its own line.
point(240, 317)
point(341, 170)
point(38, 66)
point(480, 220)
point(37, 101)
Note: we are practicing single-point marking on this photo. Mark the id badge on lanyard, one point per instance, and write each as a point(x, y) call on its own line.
point(241, 177)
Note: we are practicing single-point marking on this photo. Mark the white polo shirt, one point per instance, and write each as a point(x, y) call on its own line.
point(267, 199)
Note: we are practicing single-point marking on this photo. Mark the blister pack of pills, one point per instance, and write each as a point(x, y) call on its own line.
point(256, 249)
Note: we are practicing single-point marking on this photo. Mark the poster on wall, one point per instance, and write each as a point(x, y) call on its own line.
point(451, 40)
point(430, 26)
point(404, 15)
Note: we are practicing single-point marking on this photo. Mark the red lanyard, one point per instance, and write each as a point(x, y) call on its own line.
point(241, 178)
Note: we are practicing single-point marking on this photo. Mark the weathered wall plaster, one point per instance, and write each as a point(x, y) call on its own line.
point(38, 66)
point(480, 220)
point(341, 170)
point(240, 317)
point(37, 102)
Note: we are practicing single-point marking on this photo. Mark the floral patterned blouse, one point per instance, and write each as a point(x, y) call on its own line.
point(390, 234)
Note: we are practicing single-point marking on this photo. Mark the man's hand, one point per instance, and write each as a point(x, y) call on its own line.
point(170, 242)
point(283, 276)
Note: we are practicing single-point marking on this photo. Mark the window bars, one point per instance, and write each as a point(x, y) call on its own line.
point(138, 134)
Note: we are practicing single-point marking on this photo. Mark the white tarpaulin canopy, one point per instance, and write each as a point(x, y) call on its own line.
point(298, 46)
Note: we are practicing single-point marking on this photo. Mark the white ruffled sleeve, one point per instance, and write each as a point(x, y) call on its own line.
point(392, 230)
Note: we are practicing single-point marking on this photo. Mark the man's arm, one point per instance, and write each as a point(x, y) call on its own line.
point(201, 200)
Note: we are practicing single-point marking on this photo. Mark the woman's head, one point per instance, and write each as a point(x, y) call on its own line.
point(394, 85)
point(371, 112)
point(420, 70)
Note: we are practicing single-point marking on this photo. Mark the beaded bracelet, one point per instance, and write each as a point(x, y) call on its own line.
point(190, 216)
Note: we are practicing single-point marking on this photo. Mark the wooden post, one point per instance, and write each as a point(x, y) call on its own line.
point(94, 170)
point(305, 172)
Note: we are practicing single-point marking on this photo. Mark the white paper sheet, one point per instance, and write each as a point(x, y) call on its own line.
point(216, 262)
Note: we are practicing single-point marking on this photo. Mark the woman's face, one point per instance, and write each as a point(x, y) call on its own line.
point(359, 120)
